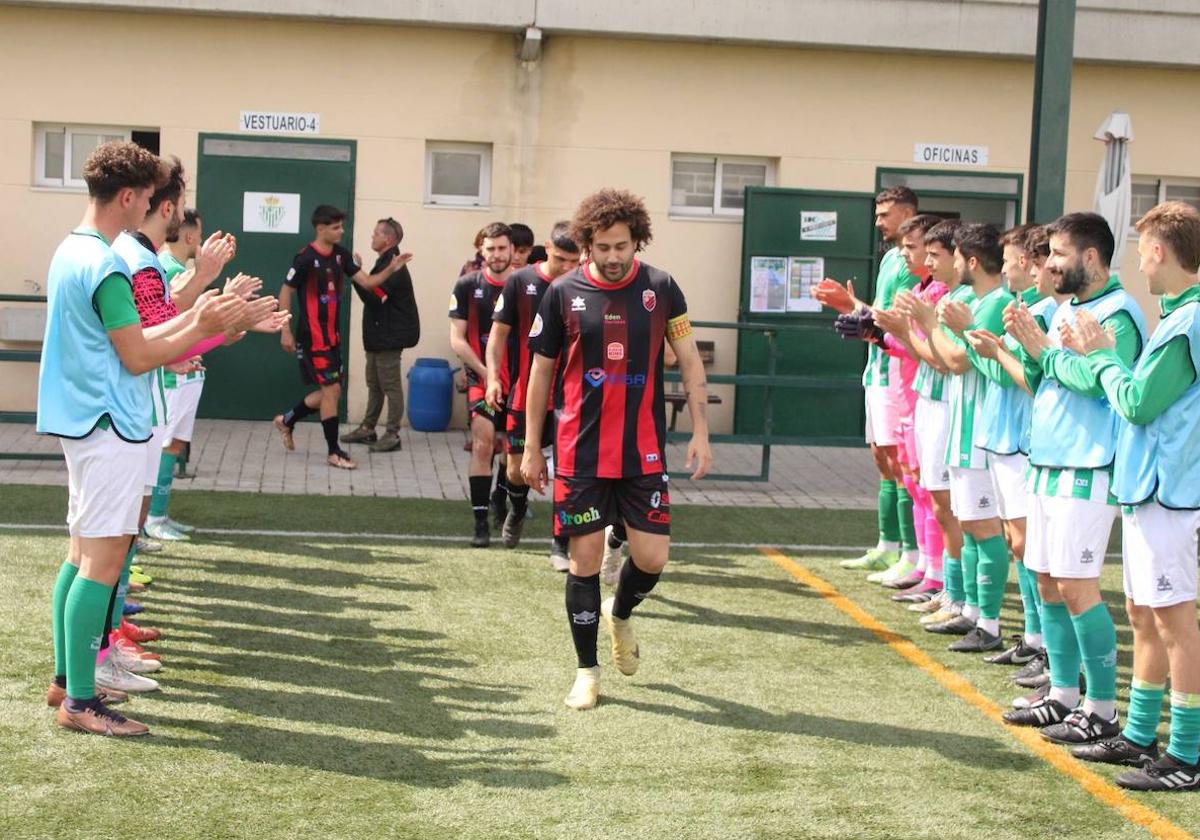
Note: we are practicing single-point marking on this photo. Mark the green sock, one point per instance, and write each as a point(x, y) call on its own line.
point(1145, 709)
point(1062, 647)
point(87, 602)
point(1098, 644)
point(1184, 744)
point(904, 519)
point(992, 575)
point(952, 578)
point(889, 525)
point(58, 607)
point(162, 490)
point(118, 603)
point(970, 570)
point(1031, 599)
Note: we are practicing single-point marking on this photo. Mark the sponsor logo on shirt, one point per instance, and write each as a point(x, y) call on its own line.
point(652, 458)
point(1164, 584)
point(536, 329)
point(659, 517)
point(616, 351)
point(597, 377)
point(985, 502)
point(1087, 557)
point(649, 300)
point(587, 517)
point(453, 301)
point(291, 273)
point(614, 317)
point(656, 499)
point(578, 305)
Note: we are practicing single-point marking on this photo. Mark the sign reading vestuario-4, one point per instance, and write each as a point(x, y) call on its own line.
point(279, 122)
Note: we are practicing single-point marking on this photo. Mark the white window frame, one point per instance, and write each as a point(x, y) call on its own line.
point(483, 198)
point(39, 151)
point(716, 210)
point(1163, 185)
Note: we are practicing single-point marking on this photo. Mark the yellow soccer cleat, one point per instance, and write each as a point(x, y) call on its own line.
point(140, 577)
point(586, 691)
point(624, 642)
point(944, 614)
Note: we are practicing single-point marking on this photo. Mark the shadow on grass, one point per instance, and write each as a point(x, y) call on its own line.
point(838, 635)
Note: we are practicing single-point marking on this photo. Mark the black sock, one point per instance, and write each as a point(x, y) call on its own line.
point(329, 425)
point(583, 614)
point(480, 486)
point(563, 542)
point(500, 494)
point(633, 586)
point(618, 534)
point(60, 680)
point(519, 493)
point(297, 413)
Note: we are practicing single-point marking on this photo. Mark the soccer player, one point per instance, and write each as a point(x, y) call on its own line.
point(317, 279)
point(604, 326)
point(93, 395)
point(512, 319)
point(522, 240)
point(471, 306)
point(1071, 509)
point(1155, 479)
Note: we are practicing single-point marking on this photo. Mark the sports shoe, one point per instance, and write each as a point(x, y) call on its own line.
point(934, 604)
point(1166, 774)
point(98, 719)
point(1027, 700)
point(140, 577)
point(1034, 673)
point(897, 570)
point(586, 691)
point(913, 578)
point(341, 460)
point(55, 695)
point(131, 662)
point(625, 652)
point(916, 595)
point(131, 608)
point(359, 435)
point(179, 526)
point(1043, 712)
point(144, 545)
point(943, 614)
point(610, 566)
point(1081, 728)
point(136, 569)
point(111, 675)
point(511, 532)
point(977, 640)
point(558, 558)
point(483, 536)
point(158, 529)
point(875, 560)
point(1119, 750)
point(1019, 654)
point(285, 432)
point(959, 625)
point(390, 442)
point(141, 635)
point(131, 648)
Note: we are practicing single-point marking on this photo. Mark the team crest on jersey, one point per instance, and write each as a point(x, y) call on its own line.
point(332, 288)
point(616, 351)
point(649, 300)
point(536, 329)
point(291, 273)
point(479, 293)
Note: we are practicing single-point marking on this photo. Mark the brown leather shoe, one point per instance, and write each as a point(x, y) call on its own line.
point(98, 719)
point(55, 695)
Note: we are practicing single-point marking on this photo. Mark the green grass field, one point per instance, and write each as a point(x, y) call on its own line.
point(321, 686)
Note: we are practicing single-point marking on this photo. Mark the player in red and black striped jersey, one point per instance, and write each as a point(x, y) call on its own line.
point(471, 305)
point(603, 326)
point(516, 308)
point(317, 278)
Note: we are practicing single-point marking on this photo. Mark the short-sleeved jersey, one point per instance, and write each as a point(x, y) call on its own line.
point(319, 279)
point(517, 306)
point(608, 340)
point(968, 390)
point(474, 300)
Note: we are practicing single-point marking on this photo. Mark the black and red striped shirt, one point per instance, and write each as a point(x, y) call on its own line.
point(318, 278)
point(608, 340)
point(473, 300)
point(517, 306)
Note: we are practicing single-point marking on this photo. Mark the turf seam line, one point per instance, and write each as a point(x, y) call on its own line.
point(1099, 788)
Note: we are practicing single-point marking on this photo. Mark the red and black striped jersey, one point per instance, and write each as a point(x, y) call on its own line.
point(608, 340)
point(318, 279)
point(473, 300)
point(517, 306)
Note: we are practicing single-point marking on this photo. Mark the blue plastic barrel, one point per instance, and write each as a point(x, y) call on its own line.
point(430, 395)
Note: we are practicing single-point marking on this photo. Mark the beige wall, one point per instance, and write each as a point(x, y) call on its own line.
point(591, 113)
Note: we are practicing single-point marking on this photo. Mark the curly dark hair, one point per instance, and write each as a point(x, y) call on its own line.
point(603, 209)
point(120, 164)
point(172, 190)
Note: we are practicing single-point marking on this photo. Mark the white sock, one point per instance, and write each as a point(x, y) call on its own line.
point(885, 545)
point(989, 625)
point(956, 607)
point(910, 557)
point(1069, 697)
point(1034, 640)
point(1106, 709)
point(922, 561)
point(970, 611)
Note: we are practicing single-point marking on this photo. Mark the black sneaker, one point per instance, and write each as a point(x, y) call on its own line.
point(957, 626)
point(499, 509)
point(1034, 673)
point(1119, 750)
point(976, 641)
point(1027, 700)
point(511, 532)
point(1081, 728)
point(1044, 712)
point(483, 536)
point(1166, 774)
point(1019, 654)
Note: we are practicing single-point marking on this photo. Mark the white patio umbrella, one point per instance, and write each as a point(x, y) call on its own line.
point(1114, 183)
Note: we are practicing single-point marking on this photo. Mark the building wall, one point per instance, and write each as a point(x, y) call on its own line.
point(592, 112)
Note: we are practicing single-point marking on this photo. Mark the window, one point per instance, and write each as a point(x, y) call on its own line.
point(61, 150)
point(714, 186)
point(1148, 192)
point(458, 174)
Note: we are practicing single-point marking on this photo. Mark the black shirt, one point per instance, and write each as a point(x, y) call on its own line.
point(390, 318)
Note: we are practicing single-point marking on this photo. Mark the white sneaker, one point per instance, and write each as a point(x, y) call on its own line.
point(111, 675)
point(610, 566)
point(157, 528)
point(585, 693)
point(179, 526)
point(932, 605)
point(131, 663)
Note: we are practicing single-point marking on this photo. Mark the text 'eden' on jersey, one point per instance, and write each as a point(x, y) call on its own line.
point(608, 339)
point(318, 279)
point(473, 300)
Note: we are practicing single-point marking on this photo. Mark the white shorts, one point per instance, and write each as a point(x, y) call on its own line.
point(104, 484)
point(182, 402)
point(884, 412)
point(153, 457)
point(932, 426)
point(1011, 480)
point(1067, 537)
point(972, 495)
point(1159, 548)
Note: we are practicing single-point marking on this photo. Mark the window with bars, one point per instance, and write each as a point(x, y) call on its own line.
point(1148, 192)
point(712, 185)
point(60, 150)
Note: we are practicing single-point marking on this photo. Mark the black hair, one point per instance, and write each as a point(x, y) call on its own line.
point(1086, 230)
point(943, 233)
point(521, 235)
point(394, 226)
point(560, 235)
point(983, 243)
point(172, 190)
point(326, 214)
point(897, 195)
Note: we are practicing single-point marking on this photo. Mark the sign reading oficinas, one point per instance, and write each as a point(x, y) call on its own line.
point(278, 122)
point(951, 155)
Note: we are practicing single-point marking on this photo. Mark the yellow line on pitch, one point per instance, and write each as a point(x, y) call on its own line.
point(1100, 788)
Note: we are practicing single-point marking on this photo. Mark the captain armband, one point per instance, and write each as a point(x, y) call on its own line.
point(678, 328)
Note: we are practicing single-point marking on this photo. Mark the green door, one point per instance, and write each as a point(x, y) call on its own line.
point(263, 190)
point(838, 228)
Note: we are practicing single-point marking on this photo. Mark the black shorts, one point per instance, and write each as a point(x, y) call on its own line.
point(585, 505)
point(320, 367)
point(516, 431)
point(477, 407)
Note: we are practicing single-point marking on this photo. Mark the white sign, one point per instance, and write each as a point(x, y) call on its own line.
point(950, 155)
point(818, 225)
point(279, 122)
point(804, 273)
point(270, 212)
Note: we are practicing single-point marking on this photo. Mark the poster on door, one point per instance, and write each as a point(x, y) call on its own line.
point(270, 212)
point(804, 274)
point(768, 284)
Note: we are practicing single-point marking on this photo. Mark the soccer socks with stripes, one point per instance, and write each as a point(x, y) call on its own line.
point(519, 495)
point(83, 618)
point(992, 576)
point(904, 519)
point(1062, 649)
point(1098, 645)
point(889, 523)
point(952, 576)
point(58, 606)
point(1184, 743)
point(162, 488)
point(297, 413)
point(121, 590)
point(481, 486)
point(632, 588)
point(583, 614)
point(1031, 604)
point(970, 570)
point(1145, 710)
point(329, 425)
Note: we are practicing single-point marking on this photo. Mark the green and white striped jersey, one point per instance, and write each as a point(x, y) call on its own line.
point(893, 277)
point(158, 398)
point(1065, 483)
point(172, 268)
point(968, 389)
